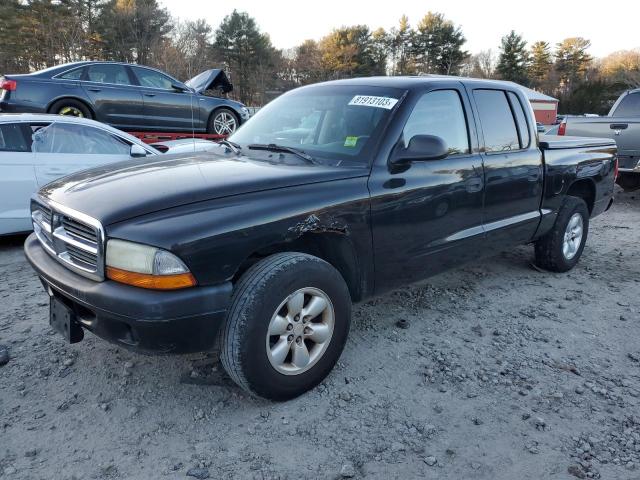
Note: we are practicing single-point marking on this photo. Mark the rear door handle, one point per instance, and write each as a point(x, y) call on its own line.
point(149, 94)
point(619, 126)
point(95, 90)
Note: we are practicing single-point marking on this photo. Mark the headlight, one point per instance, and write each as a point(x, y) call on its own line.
point(146, 267)
point(245, 111)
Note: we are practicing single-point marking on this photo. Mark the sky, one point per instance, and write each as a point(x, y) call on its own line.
point(610, 26)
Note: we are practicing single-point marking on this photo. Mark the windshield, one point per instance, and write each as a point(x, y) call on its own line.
point(334, 123)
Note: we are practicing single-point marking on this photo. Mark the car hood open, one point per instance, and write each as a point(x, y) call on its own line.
point(120, 191)
point(210, 80)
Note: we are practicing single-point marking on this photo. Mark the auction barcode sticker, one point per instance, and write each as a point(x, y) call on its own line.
point(371, 101)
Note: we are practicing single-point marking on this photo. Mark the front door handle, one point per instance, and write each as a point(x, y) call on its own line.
point(619, 126)
point(149, 94)
point(95, 89)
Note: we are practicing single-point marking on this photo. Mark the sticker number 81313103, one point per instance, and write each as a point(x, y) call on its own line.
point(371, 101)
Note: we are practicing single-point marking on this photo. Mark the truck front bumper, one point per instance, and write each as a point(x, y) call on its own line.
point(177, 321)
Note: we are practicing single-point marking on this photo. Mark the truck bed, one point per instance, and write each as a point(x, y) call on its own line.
point(556, 142)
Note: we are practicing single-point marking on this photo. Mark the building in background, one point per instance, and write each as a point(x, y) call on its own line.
point(544, 106)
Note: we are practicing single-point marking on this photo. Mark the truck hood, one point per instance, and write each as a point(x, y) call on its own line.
point(120, 191)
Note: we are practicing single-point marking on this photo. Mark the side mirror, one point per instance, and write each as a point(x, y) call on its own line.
point(137, 151)
point(421, 148)
point(179, 88)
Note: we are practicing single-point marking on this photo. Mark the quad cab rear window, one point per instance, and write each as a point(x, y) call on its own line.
point(629, 106)
point(497, 121)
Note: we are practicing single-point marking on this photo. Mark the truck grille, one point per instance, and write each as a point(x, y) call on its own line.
point(79, 230)
point(74, 239)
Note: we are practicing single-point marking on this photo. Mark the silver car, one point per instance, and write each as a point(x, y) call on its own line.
point(36, 149)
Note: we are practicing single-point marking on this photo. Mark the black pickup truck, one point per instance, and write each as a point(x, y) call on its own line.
point(331, 194)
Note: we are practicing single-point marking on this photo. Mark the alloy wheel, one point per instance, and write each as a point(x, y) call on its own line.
point(224, 123)
point(71, 112)
point(572, 236)
point(300, 331)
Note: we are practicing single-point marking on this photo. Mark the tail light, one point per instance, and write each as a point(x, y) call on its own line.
point(562, 129)
point(9, 85)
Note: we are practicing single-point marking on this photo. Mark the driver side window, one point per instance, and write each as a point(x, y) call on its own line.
point(153, 79)
point(440, 113)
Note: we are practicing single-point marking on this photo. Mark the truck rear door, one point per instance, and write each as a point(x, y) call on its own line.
point(513, 167)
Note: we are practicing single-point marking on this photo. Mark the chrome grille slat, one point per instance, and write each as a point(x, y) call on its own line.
point(76, 228)
point(78, 254)
point(73, 238)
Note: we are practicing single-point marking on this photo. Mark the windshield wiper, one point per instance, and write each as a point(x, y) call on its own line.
point(234, 147)
point(283, 148)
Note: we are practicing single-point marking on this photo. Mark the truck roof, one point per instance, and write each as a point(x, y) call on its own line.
point(415, 81)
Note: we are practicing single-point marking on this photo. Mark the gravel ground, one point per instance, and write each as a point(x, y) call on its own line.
point(493, 371)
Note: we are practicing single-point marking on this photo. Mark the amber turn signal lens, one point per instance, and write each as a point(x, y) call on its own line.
point(153, 282)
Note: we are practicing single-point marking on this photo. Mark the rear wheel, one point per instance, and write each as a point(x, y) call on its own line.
point(70, 107)
point(560, 249)
point(223, 121)
point(287, 325)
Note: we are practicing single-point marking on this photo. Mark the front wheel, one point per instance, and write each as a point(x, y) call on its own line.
point(287, 325)
point(223, 121)
point(560, 249)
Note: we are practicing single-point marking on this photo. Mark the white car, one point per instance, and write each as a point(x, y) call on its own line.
point(36, 149)
point(184, 145)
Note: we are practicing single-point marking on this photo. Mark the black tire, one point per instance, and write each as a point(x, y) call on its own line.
point(256, 297)
point(218, 112)
point(69, 106)
point(629, 181)
point(549, 248)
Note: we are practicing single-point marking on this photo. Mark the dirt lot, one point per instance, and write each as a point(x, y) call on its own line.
point(504, 372)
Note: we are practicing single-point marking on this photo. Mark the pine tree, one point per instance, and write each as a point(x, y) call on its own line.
point(541, 63)
point(437, 45)
point(380, 48)
point(247, 53)
point(401, 48)
point(514, 59)
point(347, 52)
point(572, 62)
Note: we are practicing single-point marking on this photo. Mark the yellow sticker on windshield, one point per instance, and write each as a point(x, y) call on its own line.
point(350, 141)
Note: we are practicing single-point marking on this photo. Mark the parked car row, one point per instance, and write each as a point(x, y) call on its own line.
point(128, 97)
point(331, 194)
point(622, 124)
point(37, 149)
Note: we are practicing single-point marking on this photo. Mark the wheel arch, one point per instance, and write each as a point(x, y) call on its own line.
point(77, 99)
point(585, 189)
point(334, 248)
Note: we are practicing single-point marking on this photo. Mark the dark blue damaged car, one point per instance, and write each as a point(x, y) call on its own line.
point(129, 97)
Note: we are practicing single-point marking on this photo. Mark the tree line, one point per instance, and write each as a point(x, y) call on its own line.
point(36, 34)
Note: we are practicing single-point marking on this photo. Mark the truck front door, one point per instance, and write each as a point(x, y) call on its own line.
point(427, 215)
point(513, 168)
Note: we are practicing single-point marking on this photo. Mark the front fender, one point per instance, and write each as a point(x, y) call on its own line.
point(214, 238)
